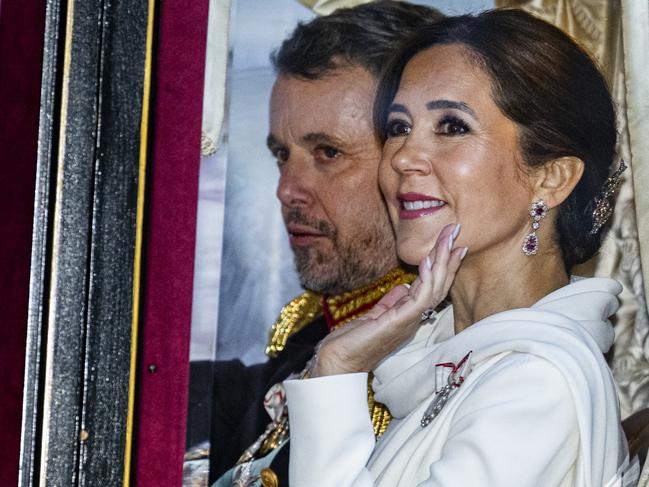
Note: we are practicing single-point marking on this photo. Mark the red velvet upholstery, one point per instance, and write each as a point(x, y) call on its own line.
point(22, 23)
point(172, 184)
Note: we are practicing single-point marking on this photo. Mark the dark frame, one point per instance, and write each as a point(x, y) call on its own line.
point(87, 232)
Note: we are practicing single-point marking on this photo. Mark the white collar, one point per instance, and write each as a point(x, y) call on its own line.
point(577, 312)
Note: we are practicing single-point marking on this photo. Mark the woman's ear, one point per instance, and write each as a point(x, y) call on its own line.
point(555, 180)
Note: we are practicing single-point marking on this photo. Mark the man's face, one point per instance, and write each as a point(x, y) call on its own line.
point(322, 137)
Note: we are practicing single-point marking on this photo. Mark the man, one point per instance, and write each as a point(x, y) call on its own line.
point(322, 136)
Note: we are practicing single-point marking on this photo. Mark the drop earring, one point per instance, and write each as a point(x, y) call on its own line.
point(538, 210)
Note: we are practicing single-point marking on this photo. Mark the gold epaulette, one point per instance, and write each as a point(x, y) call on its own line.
point(301, 311)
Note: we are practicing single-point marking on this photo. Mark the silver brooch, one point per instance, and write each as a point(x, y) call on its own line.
point(454, 380)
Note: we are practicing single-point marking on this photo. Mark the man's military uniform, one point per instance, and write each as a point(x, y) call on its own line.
point(239, 416)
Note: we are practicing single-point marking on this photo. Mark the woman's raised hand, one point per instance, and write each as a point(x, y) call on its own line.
point(360, 345)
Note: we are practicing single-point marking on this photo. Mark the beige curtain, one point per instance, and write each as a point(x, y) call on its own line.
point(594, 23)
point(635, 41)
point(635, 30)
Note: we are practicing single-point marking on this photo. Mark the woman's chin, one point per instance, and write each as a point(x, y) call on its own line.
point(411, 256)
point(415, 241)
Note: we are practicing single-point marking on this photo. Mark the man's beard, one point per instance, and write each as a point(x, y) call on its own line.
point(347, 265)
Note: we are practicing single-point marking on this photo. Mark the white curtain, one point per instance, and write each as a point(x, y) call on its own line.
point(216, 60)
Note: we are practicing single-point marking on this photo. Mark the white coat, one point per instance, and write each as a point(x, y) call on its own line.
point(538, 405)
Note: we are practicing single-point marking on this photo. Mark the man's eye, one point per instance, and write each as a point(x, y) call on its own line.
point(398, 128)
point(280, 154)
point(452, 126)
point(327, 152)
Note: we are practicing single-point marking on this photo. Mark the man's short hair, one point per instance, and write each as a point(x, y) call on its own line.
point(366, 35)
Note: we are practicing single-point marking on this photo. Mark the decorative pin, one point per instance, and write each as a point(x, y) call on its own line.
point(538, 211)
point(605, 201)
point(454, 380)
point(427, 314)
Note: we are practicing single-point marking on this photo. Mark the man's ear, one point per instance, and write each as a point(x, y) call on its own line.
point(555, 180)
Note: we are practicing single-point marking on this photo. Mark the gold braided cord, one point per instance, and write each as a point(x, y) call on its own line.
point(301, 311)
point(379, 413)
point(349, 303)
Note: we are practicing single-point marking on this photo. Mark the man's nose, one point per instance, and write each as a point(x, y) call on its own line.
point(294, 187)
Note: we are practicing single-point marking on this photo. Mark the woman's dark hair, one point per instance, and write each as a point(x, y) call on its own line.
point(550, 87)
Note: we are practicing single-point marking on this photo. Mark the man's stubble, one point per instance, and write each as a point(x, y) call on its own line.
point(345, 264)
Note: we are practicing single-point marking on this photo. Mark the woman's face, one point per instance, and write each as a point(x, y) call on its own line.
point(452, 156)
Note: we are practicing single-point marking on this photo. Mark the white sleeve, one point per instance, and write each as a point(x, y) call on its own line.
point(331, 432)
point(518, 427)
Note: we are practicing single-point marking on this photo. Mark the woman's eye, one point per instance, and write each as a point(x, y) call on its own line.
point(327, 152)
point(397, 128)
point(452, 126)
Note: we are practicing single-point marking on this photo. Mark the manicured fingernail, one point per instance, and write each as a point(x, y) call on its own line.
point(463, 254)
point(429, 264)
point(453, 236)
point(407, 285)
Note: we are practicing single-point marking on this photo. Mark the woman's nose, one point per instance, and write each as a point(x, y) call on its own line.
point(411, 157)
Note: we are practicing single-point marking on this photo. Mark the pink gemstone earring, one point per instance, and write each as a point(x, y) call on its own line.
point(538, 210)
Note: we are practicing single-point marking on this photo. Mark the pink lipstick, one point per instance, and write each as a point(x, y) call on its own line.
point(415, 205)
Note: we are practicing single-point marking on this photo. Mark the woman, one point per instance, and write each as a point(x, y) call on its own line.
point(502, 124)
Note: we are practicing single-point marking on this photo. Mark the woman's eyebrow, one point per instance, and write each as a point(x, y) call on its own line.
point(458, 105)
point(396, 107)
